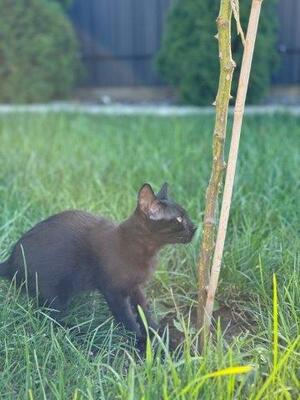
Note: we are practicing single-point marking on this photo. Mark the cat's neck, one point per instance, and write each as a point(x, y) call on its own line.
point(137, 239)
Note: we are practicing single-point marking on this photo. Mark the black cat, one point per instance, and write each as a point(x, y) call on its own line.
point(75, 251)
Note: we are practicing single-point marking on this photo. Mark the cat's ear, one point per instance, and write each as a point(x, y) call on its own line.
point(163, 194)
point(146, 198)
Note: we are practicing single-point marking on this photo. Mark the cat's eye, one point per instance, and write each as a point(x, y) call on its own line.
point(179, 219)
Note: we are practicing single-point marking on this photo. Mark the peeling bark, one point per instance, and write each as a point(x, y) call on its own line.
point(232, 159)
point(218, 165)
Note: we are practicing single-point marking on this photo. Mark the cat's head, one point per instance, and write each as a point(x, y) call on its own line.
point(167, 220)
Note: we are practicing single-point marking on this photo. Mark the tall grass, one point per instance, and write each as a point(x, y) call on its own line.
point(52, 162)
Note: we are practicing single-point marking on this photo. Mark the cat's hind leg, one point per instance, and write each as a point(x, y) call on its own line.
point(56, 309)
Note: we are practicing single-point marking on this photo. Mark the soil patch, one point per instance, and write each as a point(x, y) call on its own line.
point(234, 322)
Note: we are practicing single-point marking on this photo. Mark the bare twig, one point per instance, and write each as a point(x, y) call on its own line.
point(236, 131)
point(222, 100)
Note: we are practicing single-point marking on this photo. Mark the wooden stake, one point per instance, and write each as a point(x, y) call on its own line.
point(231, 167)
point(222, 100)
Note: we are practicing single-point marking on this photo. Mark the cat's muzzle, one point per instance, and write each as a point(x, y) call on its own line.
point(190, 234)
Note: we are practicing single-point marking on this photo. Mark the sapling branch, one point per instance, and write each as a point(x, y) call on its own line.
point(218, 165)
point(232, 159)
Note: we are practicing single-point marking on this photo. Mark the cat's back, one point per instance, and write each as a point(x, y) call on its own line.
point(63, 229)
point(68, 221)
point(73, 219)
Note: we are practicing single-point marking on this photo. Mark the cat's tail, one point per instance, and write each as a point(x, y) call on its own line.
point(4, 269)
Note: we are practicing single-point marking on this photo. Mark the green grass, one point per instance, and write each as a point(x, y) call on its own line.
point(49, 163)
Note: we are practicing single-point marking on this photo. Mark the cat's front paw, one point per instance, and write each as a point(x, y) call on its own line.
point(153, 325)
point(141, 342)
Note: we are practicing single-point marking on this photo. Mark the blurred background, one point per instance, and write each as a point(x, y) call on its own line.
point(132, 51)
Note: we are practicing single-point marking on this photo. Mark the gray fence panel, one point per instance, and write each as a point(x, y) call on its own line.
point(120, 38)
point(289, 42)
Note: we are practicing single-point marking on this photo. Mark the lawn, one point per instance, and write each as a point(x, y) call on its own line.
point(53, 162)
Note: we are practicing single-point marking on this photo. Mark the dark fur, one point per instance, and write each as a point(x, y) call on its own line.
point(76, 251)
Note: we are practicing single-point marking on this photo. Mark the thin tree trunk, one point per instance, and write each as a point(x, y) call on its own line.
point(232, 159)
point(222, 100)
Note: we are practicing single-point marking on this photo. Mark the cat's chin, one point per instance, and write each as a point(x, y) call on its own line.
point(189, 237)
point(182, 240)
point(187, 240)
